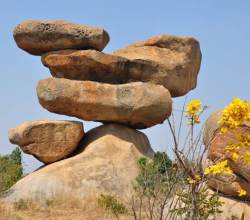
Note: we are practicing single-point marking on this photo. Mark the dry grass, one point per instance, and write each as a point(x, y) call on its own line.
point(55, 209)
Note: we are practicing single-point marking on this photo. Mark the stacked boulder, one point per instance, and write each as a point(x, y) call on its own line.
point(216, 142)
point(127, 90)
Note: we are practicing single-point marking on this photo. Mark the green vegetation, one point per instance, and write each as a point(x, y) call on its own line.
point(21, 204)
point(11, 169)
point(176, 189)
point(207, 205)
point(154, 175)
point(112, 205)
point(165, 185)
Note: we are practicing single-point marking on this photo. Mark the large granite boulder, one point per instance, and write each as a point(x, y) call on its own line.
point(171, 61)
point(229, 185)
point(47, 140)
point(39, 37)
point(139, 105)
point(216, 142)
point(176, 61)
point(105, 162)
point(234, 209)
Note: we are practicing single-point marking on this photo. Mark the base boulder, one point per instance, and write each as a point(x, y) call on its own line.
point(106, 162)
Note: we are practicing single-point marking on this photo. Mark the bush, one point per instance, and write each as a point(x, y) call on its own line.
point(152, 173)
point(11, 169)
point(21, 204)
point(112, 205)
point(177, 190)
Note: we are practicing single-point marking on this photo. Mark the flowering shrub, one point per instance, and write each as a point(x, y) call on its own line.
point(177, 189)
point(219, 168)
point(233, 116)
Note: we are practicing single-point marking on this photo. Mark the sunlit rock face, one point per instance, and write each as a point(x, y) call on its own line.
point(47, 140)
point(39, 37)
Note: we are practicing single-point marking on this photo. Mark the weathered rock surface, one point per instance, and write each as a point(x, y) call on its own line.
point(234, 209)
point(176, 61)
point(216, 144)
point(170, 61)
point(228, 185)
point(139, 105)
point(47, 140)
point(88, 65)
point(105, 162)
point(39, 37)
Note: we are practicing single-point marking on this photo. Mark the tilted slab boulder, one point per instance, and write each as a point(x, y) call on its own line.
point(105, 162)
point(88, 65)
point(171, 61)
point(139, 105)
point(216, 142)
point(47, 140)
point(39, 37)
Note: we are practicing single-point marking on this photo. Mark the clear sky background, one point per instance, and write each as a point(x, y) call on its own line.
point(221, 26)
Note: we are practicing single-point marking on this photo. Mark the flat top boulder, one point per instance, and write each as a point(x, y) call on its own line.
point(47, 140)
point(139, 105)
point(39, 37)
point(172, 42)
point(87, 65)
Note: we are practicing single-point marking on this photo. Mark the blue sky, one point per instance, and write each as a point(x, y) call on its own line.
point(222, 28)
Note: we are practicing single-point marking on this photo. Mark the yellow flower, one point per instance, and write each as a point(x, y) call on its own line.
point(194, 180)
point(242, 192)
point(193, 109)
point(235, 114)
point(247, 158)
point(219, 168)
point(197, 177)
point(235, 156)
point(244, 140)
point(223, 130)
point(190, 180)
point(232, 147)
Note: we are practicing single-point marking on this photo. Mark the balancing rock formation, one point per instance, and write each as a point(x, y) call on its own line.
point(216, 144)
point(127, 90)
